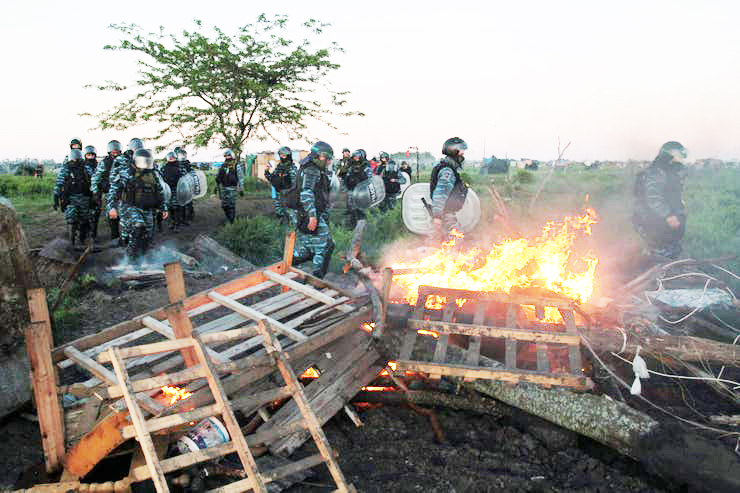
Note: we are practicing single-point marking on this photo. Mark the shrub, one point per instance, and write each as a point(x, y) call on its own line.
point(523, 177)
point(258, 239)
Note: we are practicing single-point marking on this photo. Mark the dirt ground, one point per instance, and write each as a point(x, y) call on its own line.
point(395, 450)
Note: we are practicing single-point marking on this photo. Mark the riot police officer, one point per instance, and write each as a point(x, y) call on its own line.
point(446, 188)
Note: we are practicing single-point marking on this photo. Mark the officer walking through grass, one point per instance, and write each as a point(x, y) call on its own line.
point(446, 188)
point(72, 194)
point(660, 216)
point(101, 183)
point(313, 238)
point(135, 195)
point(171, 173)
point(122, 162)
point(229, 184)
point(358, 171)
point(282, 178)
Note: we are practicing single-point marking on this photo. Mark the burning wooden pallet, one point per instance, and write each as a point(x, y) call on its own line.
point(495, 315)
point(310, 318)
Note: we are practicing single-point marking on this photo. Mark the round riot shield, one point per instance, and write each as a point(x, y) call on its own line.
point(405, 185)
point(368, 193)
point(418, 219)
point(191, 186)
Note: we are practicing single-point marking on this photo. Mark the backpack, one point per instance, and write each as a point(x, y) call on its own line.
point(142, 192)
point(77, 182)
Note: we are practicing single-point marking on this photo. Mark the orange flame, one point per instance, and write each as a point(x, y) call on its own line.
point(175, 394)
point(310, 372)
point(425, 332)
point(544, 262)
point(376, 388)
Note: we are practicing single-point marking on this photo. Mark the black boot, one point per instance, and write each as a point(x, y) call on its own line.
point(297, 260)
point(73, 234)
point(159, 221)
point(114, 231)
point(231, 214)
point(321, 272)
point(94, 226)
point(84, 228)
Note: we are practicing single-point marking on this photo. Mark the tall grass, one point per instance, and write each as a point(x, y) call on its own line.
point(12, 186)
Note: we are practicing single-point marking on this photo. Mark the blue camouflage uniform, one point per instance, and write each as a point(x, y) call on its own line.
point(316, 245)
point(171, 173)
point(392, 180)
point(72, 191)
point(448, 193)
point(136, 195)
point(357, 171)
point(658, 195)
point(188, 210)
point(119, 163)
point(99, 187)
point(230, 182)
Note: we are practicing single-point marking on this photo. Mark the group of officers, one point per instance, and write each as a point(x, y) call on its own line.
point(136, 195)
point(135, 199)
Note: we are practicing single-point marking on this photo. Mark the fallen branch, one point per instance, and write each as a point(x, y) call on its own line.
point(73, 271)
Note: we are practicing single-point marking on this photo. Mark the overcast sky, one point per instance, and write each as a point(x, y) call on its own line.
point(616, 79)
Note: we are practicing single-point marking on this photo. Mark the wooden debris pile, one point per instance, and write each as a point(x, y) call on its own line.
point(223, 349)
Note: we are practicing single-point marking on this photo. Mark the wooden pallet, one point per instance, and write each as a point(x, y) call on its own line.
point(512, 334)
point(306, 316)
point(204, 368)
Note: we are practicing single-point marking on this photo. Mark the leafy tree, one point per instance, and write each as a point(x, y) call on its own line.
point(225, 89)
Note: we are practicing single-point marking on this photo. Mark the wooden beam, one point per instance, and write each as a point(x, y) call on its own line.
point(173, 420)
point(256, 316)
point(165, 330)
point(483, 330)
point(183, 329)
point(508, 375)
point(145, 440)
point(307, 291)
point(385, 299)
point(543, 299)
point(39, 343)
point(288, 250)
point(145, 349)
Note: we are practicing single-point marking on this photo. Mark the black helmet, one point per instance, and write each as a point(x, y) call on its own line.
point(229, 155)
point(672, 151)
point(90, 150)
point(321, 148)
point(285, 152)
point(114, 145)
point(360, 153)
point(384, 154)
point(345, 150)
point(135, 144)
point(143, 159)
point(75, 155)
point(181, 154)
point(170, 157)
point(75, 141)
point(453, 146)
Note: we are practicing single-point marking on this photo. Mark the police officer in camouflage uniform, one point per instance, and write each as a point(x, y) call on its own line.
point(446, 188)
point(358, 171)
point(136, 194)
point(228, 184)
point(392, 180)
point(660, 216)
point(344, 162)
point(188, 211)
point(75, 143)
point(91, 165)
point(121, 163)
point(281, 179)
point(171, 174)
point(101, 183)
point(313, 238)
point(72, 194)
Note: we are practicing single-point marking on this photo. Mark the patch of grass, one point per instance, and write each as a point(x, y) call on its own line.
point(12, 186)
point(66, 317)
point(259, 239)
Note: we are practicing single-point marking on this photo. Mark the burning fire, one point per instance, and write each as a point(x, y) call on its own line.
point(547, 262)
point(175, 394)
point(310, 372)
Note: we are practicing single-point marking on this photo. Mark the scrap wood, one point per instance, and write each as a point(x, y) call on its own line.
point(470, 401)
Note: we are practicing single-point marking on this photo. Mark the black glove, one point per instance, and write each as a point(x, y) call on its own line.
point(241, 193)
point(56, 202)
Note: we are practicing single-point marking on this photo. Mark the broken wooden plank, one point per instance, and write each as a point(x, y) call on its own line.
point(306, 290)
point(39, 343)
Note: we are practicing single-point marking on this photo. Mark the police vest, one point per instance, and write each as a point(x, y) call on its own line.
point(142, 192)
point(77, 182)
point(227, 176)
point(292, 195)
point(391, 186)
point(280, 178)
point(459, 191)
point(355, 175)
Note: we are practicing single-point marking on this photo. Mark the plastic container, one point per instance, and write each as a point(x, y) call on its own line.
point(208, 433)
